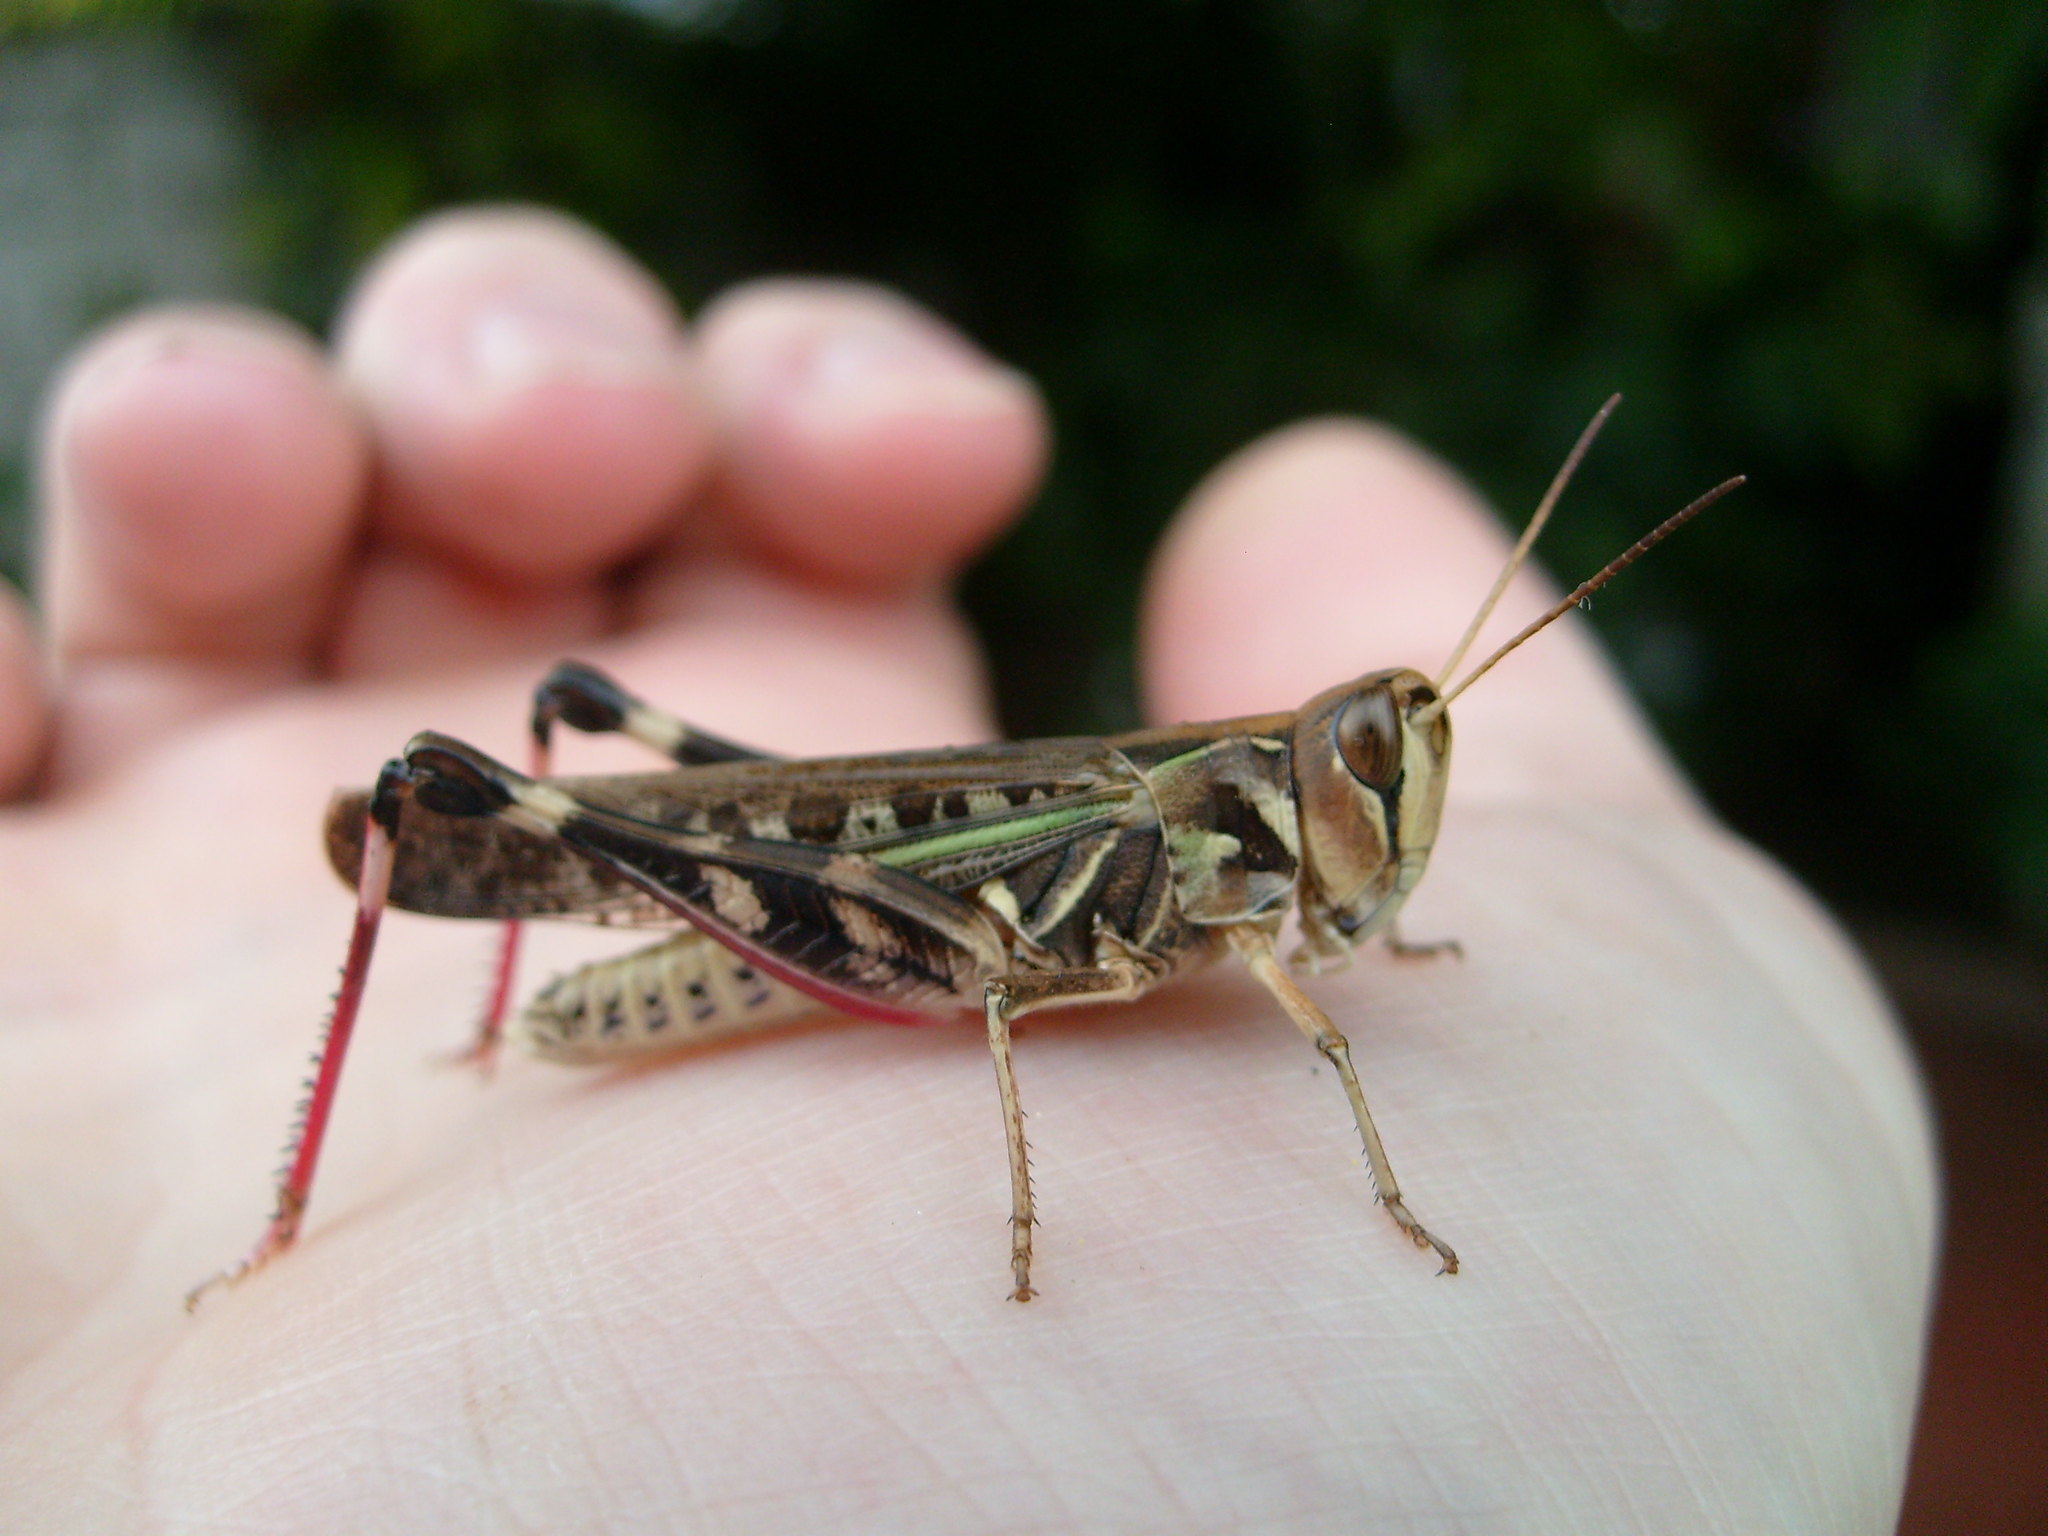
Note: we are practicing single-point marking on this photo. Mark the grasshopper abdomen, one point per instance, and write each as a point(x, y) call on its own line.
point(684, 991)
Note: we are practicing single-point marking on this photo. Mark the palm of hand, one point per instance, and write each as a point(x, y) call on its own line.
point(1658, 1109)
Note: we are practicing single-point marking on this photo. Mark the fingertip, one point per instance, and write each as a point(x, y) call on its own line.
point(537, 411)
point(24, 703)
point(204, 473)
point(865, 441)
point(1325, 549)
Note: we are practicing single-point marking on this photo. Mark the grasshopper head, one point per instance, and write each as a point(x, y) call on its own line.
point(1371, 760)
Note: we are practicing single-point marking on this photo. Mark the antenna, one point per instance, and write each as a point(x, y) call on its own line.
point(1558, 482)
point(1587, 588)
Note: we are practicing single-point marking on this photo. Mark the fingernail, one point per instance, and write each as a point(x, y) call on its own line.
point(513, 345)
point(113, 366)
point(859, 374)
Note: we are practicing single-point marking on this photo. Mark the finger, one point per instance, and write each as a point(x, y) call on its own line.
point(536, 411)
point(863, 440)
point(202, 476)
point(24, 710)
point(1335, 548)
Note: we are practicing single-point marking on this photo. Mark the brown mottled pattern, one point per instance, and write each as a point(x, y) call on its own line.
point(463, 866)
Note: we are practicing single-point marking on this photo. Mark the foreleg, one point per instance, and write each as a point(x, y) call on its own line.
point(1256, 947)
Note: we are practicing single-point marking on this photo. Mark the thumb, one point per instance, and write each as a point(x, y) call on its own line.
point(1335, 548)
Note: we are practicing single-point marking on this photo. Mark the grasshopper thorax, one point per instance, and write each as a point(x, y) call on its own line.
point(1370, 759)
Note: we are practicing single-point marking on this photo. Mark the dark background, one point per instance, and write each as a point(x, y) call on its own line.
point(1805, 240)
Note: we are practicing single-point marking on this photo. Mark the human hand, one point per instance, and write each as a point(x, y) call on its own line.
point(1658, 1109)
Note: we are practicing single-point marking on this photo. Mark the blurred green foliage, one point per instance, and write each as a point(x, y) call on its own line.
point(1790, 232)
point(30, 18)
point(1987, 688)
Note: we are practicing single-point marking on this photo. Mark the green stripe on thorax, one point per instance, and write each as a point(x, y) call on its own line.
point(975, 835)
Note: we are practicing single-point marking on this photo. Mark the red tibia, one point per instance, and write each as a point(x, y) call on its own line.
point(490, 1030)
point(296, 1187)
point(376, 881)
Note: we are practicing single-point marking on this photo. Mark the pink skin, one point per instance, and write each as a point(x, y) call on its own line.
point(1658, 1108)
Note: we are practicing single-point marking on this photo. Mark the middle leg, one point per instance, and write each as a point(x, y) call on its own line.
point(1006, 998)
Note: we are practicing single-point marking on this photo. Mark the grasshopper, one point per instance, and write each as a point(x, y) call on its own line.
point(915, 886)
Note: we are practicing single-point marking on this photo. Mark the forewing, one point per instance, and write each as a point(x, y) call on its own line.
point(955, 817)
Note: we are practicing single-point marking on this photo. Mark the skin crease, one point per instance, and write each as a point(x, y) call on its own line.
point(1659, 1108)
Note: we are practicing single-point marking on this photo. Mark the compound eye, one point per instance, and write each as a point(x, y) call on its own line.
point(1368, 732)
